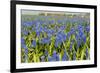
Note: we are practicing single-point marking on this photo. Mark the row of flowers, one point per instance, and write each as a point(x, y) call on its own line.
point(49, 38)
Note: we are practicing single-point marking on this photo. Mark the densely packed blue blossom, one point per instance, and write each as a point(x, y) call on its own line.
point(54, 38)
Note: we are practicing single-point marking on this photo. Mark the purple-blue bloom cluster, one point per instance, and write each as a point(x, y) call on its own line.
point(34, 43)
point(65, 56)
point(54, 38)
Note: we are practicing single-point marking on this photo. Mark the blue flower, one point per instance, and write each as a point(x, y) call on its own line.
point(57, 57)
point(78, 43)
point(45, 29)
point(63, 37)
point(57, 43)
point(87, 53)
point(45, 40)
point(37, 25)
point(54, 53)
point(23, 46)
point(78, 40)
point(60, 37)
point(81, 34)
point(40, 29)
point(65, 57)
point(50, 32)
point(68, 35)
point(27, 24)
point(34, 43)
point(88, 28)
point(84, 38)
point(50, 58)
point(62, 27)
point(72, 31)
point(22, 41)
point(80, 27)
point(37, 33)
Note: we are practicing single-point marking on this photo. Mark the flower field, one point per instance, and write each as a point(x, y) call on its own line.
point(51, 37)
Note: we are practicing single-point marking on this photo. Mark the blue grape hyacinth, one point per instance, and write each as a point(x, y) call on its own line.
point(65, 57)
point(88, 28)
point(45, 40)
point(34, 43)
